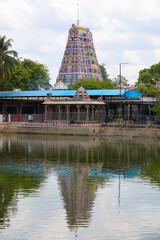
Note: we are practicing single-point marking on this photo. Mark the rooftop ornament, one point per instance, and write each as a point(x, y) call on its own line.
point(60, 86)
point(81, 93)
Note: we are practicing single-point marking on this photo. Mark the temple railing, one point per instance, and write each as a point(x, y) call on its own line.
point(71, 117)
point(140, 119)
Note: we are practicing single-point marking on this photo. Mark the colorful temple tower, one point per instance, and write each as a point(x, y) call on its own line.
point(79, 60)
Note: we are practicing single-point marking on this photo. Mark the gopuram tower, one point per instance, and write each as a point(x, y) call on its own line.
point(79, 60)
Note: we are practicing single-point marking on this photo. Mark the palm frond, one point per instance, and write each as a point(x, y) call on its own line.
point(8, 58)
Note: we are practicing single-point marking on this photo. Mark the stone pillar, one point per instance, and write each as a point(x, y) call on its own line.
point(139, 113)
point(104, 112)
point(87, 112)
point(19, 111)
point(67, 112)
point(93, 107)
point(125, 112)
point(128, 112)
point(45, 112)
point(78, 115)
point(98, 112)
point(59, 112)
point(120, 110)
point(110, 114)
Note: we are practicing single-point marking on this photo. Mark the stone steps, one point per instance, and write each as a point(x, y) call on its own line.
point(130, 131)
point(8, 128)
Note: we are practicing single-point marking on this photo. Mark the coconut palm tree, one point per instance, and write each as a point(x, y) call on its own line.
point(8, 58)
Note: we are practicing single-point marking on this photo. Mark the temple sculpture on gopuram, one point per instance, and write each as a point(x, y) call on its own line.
point(79, 60)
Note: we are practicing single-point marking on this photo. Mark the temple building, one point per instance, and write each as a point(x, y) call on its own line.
point(79, 60)
point(80, 108)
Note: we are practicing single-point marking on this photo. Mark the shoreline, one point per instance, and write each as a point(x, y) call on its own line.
point(149, 131)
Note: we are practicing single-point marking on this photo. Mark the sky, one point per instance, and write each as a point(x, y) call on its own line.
point(125, 31)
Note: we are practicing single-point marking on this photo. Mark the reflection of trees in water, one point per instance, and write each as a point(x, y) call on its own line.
point(10, 189)
point(14, 182)
point(81, 149)
point(8, 199)
point(82, 164)
point(19, 175)
point(152, 170)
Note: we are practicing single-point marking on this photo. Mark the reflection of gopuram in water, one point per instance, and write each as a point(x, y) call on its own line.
point(82, 165)
point(21, 173)
point(78, 192)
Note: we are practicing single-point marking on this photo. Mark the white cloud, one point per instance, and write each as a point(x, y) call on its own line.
point(122, 30)
point(15, 14)
point(157, 53)
point(132, 56)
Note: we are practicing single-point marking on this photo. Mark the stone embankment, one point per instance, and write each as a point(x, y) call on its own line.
point(8, 128)
point(130, 130)
point(110, 130)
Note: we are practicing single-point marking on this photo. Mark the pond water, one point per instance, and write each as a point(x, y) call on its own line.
point(66, 188)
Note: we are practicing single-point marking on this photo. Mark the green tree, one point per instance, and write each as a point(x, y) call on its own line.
point(156, 109)
point(104, 73)
point(144, 77)
point(148, 90)
point(148, 79)
point(150, 75)
point(27, 75)
point(92, 83)
point(124, 82)
point(147, 84)
point(8, 58)
point(86, 83)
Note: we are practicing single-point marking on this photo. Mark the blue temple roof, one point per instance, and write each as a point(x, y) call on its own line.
point(131, 93)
